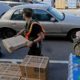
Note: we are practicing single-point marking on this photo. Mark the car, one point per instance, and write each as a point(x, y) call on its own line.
point(3, 8)
point(72, 11)
point(12, 3)
point(77, 12)
point(55, 22)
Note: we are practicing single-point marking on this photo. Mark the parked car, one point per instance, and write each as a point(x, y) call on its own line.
point(55, 22)
point(12, 3)
point(77, 12)
point(3, 8)
point(72, 11)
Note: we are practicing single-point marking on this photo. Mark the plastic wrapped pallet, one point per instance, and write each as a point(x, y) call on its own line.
point(6, 77)
point(74, 72)
point(72, 4)
point(35, 67)
point(10, 69)
point(74, 67)
point(14, 43)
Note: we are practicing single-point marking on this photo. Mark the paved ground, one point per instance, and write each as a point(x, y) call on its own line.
point(58, 71)
point(57, 49)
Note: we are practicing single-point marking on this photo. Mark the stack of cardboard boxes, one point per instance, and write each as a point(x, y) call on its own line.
point(32, 68)
point(6, 77)
point(9, 71)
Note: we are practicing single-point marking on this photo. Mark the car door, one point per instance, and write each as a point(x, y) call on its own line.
point(48, 21)
point(16, 21)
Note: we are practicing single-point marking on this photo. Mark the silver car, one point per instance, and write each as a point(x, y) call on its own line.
point(12, 3)
point(55, 22)
point(3, 8)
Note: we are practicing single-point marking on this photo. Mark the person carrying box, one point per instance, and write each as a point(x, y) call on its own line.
point(33, 31)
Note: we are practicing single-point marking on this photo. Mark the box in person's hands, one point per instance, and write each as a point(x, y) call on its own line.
point(35, 67)
point(14, 43)
point(6, 77)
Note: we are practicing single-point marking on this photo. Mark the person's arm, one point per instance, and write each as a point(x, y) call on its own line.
point(39, 38)
point(37, 30)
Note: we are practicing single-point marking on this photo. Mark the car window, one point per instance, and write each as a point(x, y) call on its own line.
point(2, 14)
point(17, 15)
point(41, 15)
point(59, 15)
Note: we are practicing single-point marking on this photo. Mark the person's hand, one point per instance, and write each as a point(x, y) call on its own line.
point(29, 44)
point(16, 35)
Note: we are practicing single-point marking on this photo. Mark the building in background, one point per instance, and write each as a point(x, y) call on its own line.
point(50, 2)
point(55, 3)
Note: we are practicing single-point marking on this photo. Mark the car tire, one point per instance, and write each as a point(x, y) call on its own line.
point(6, 33)
point(72, 35)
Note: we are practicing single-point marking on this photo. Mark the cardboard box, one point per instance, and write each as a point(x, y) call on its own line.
point(10, 69)
point(13, 70)
point(6, 77)
point(35, 67)
point(22, 78)
point(14, 43)
point(60, 4)
point(3, 67)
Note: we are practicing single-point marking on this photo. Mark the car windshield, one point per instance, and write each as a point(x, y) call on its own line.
point(56, 13)
point(2, 14)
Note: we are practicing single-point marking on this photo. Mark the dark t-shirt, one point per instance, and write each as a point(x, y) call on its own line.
point(36, 29)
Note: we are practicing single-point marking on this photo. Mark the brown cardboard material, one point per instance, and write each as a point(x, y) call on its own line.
point(14, 43)
point(35, 67)
point(60, 4)
point(22, 78)
point(6, 77)
point(3, 67)
point(10, 69)
point(13, 70)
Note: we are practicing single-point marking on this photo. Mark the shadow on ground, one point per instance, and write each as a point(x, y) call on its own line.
point(51, 38)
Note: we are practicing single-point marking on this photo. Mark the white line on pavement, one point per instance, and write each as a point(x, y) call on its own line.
point(20, 60)
point(59, 61)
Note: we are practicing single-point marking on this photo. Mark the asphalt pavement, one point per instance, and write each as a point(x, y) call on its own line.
point(58, 51)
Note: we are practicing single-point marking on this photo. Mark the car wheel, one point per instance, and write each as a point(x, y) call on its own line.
point(72, 35)
point(6, 33)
